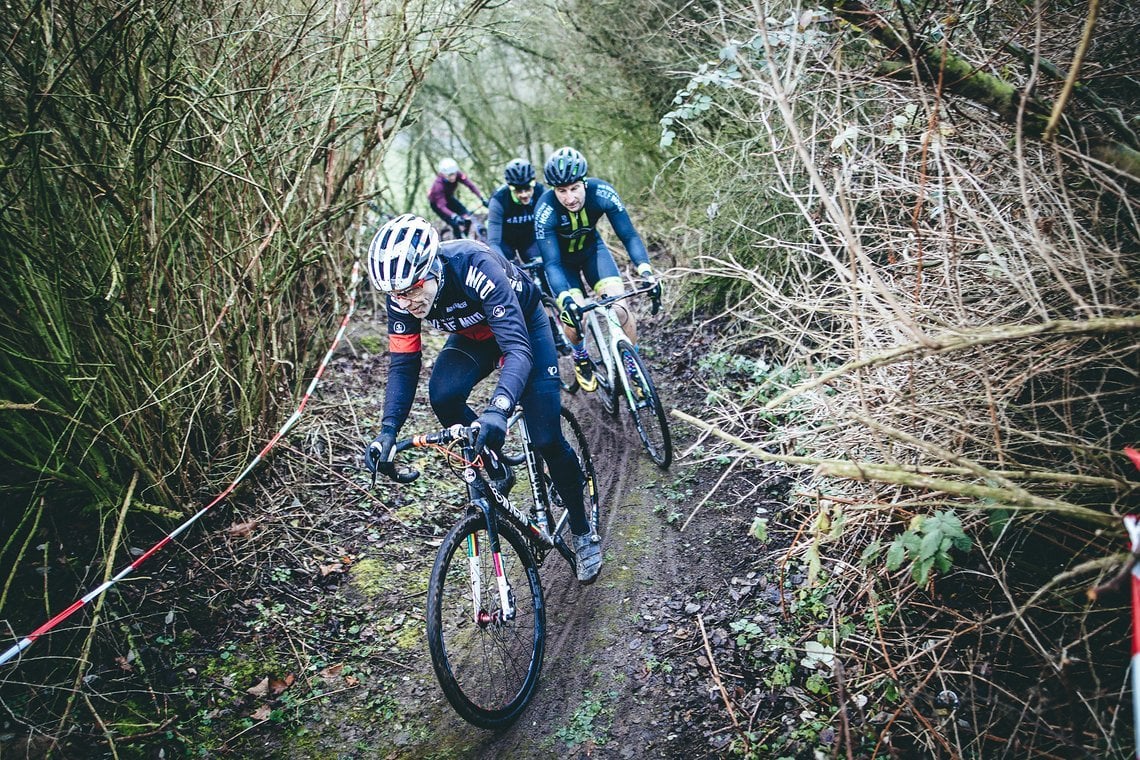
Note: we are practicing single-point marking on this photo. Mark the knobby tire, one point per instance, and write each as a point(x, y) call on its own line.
point(487, 672)
point(647, 411)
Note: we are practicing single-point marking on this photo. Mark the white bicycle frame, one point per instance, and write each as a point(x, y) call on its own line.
point(614, 333)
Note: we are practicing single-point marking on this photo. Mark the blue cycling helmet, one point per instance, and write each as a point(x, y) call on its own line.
point(519, 172)
point(564, 167)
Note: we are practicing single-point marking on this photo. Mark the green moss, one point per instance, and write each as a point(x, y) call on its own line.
point(375, 577)
point(410, 636)
point(241, 666)
point(373, 344)
point(410, 512)
point(370, 577)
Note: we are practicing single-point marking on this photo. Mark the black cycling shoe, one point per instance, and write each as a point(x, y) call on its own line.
point(587, 558)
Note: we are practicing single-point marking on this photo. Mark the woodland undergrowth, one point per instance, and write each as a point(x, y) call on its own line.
point(936, 310)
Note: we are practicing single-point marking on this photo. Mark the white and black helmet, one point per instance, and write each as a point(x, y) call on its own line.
point(402, 253)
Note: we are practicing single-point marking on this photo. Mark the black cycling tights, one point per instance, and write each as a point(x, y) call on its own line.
point(464, 362)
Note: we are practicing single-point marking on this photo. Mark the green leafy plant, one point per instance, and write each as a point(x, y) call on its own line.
point(927, 544)
point(586, 724)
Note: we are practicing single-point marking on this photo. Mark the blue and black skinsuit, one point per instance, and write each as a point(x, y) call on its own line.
point(570, 245)
point(494, 315)
point(510, 225)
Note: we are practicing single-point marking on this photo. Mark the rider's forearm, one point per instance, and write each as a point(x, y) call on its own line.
point(403, 376)
point(552, 265)
point(495, 230)
point(632, 241)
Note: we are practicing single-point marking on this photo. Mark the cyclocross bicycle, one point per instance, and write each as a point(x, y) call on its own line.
point(621, 371)
point(486, 618)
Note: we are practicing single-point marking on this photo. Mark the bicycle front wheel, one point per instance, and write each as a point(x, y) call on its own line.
point(487, 658)
point(645, 406)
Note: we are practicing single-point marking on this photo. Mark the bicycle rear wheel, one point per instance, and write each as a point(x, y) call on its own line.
point(572, 432)
point(645, 406)
point(607, 381)
point(486, 664)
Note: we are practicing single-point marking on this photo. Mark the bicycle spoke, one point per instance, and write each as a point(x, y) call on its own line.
point(487, 662)
point(645, 406)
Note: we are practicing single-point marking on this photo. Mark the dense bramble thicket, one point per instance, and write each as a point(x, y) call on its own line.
point(942, 281)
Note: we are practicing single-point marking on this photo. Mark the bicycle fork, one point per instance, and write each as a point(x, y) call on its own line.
point(620, 371)
point(506, 610)
point(482, 496)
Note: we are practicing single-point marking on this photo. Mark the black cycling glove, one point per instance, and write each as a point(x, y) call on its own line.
point(492, 430)
point(380, 453)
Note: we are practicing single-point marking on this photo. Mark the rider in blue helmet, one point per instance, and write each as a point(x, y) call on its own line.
point(510, 214)
point(574, 254)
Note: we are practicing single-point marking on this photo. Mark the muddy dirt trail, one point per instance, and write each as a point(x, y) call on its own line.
point(596, 660)
point(625, 673)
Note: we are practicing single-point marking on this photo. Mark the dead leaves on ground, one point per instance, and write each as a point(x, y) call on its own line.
point(241, 530)
point(332, 672)
point(268, 687)
point(271, 686)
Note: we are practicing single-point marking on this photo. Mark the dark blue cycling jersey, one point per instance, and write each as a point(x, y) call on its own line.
point(510, 224)
point(481, 296)
point(569, 242)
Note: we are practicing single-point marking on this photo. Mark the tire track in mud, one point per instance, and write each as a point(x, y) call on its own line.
point(591, 632)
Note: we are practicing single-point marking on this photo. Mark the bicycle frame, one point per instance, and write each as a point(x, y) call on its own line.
point(482, 495)
point(614, 334)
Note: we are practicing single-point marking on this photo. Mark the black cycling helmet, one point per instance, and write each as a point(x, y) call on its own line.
point(564, 167)
point(519, 172)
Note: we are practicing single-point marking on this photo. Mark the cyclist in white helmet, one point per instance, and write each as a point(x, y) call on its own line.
point(442, 198)
point(495, 317)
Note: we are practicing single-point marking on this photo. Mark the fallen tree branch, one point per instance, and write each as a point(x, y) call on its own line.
point(958, 342)
point(963, 78)
point(720, 684)
point(984, 497)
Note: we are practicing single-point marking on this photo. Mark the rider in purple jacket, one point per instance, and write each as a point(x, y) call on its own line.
point(442, 198)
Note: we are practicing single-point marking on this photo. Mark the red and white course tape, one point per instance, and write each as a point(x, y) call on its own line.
point(28, 640)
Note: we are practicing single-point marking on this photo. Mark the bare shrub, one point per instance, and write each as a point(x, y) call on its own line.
point(951, 308)
point(181, 192)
